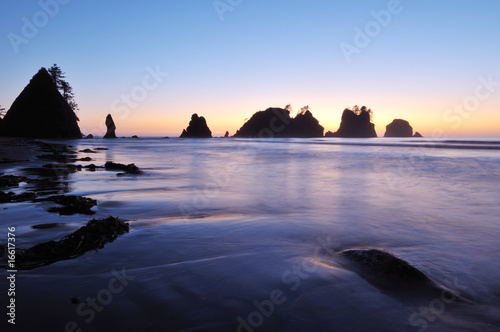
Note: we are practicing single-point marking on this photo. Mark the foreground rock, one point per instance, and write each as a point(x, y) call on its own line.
point(72, 205)
point(40, 111)
point(11, 197)
point(391, 273)
point(356, 123)
point(197, 128)
point(110, 125)
point(276, 122)
point(130, 168)
point(93, 236)
point(398, 128)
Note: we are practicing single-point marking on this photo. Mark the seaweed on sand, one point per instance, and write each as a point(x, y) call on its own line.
point(11, 197)
point(7, 181)
point(93, 236)
point(72, 204)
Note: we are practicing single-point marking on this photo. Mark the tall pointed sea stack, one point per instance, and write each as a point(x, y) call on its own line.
point(197, 128)
point(110, 125)
point(40, 111)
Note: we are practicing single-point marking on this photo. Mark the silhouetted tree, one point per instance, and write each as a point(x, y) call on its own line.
point(289, 108)
point(66, 90)
point(304, 109)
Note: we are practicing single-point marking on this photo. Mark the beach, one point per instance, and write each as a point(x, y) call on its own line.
point(247, 234)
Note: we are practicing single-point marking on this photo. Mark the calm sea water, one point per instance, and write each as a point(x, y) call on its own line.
point(241, 235)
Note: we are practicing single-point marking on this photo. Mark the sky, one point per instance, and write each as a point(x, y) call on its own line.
point(151, 64)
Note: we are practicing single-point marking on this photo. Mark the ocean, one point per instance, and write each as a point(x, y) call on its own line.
point(244, 235)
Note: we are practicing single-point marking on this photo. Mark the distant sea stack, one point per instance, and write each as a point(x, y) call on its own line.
point(276, 122)
point(197, 128)
point(356, 123)
point(40, 111)
point(398, 128)
point(110, 125)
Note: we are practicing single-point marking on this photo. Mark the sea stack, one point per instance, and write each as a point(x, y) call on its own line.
point(110, 125)
point(356, 123)
point(197, 128)
point(398, 128)
point(276, 122)
point(40, 111)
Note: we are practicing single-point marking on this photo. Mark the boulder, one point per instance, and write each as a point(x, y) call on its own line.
point(356, 123)
point(40, 111)
point(393, 274)
point(417, 134)
point(276, 122)
point(398, 128)
point(226, 135)
point(110, 125)
point(197, 128)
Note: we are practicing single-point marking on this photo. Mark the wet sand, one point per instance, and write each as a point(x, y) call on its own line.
point(17, 151)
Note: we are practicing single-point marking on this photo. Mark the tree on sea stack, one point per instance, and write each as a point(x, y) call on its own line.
point(63, 86)
point(40, 111)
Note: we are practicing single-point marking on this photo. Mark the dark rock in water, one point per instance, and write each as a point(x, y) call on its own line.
point(391, 273)
point(11, 197)
point(40, 111)
point(276, 122)
point(72, 205)
point(87, 151)
point(356, 123)
point(89, 136)
point(94, 235)
point(417, 134)
point(47, 226)
point(11, 180)
point(226, 135)
point(398, 128)
point(305, 125)
point(135, 136)
point(329, 134)
point(197, 128)
point(110, 125)
point(130, 168)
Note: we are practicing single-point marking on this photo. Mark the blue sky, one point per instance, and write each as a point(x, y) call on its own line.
point(423, 64)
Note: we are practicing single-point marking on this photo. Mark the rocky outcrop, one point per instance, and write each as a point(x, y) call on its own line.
point(356, 123)
point(417, 134)
point(392, 273)
point(40, 111)
point(197, 128)
point(398, 128)
point(329, 134)
point(110, 125)
point(276, 122)
point(226, 135)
